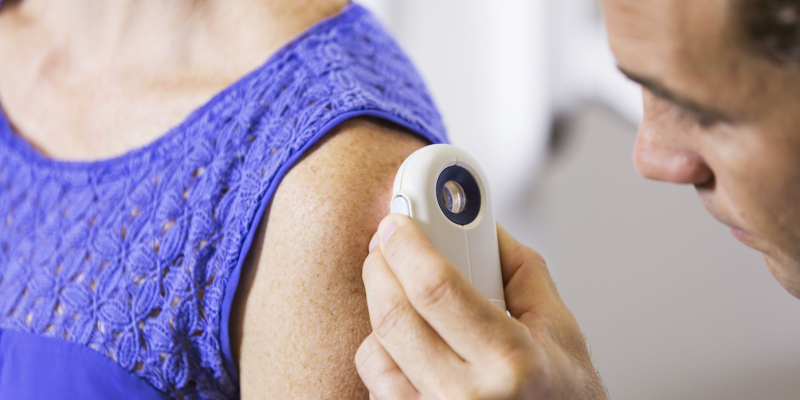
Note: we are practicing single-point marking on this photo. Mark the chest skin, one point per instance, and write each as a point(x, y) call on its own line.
point(80, 94)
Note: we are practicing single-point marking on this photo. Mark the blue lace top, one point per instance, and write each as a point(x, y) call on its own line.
point(117, 276)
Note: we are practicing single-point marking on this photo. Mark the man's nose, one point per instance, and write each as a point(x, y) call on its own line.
point(660, 159)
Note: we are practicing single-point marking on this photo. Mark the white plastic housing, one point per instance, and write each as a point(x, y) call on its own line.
point(473, 248)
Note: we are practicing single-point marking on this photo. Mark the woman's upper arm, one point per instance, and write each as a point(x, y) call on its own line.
point(300, 310)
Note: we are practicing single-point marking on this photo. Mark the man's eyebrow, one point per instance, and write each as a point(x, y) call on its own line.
point(661, 91)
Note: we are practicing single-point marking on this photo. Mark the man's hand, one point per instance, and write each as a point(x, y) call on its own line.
point(436, 337)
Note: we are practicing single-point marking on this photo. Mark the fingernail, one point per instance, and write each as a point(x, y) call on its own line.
point(387, 231)
point(373, 242)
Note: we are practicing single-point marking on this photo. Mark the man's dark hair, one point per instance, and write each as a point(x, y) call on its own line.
point(772, 27)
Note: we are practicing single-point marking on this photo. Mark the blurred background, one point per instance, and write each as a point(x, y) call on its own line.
point(673, 307)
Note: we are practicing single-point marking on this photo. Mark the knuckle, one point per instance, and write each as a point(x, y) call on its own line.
point(535, 262)
point(521, 368)
point(534, 257)
point(521, 333)
point(389, 317)
point(398, 245)
point(367, 354)
point(370, 263)
point(537, 376)
point(518, 375)
point(434, 289)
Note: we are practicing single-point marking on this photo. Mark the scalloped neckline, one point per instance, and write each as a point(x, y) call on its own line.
point(17, 144)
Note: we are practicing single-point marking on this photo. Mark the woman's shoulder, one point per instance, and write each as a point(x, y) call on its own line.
point(300, 312)
point(344, 66)
point(147, 248)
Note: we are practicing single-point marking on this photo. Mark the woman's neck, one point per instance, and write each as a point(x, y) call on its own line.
point(112, 75)
point(166, 37)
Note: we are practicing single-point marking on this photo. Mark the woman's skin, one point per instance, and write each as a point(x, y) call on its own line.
point(83, 85)
point(92, 79)
point(301, 311)
point(719, 116)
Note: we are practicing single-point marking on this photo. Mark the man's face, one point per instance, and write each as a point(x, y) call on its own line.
point(718, 116)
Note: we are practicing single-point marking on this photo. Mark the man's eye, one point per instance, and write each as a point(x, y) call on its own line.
point(705, 121)
point(702, 120)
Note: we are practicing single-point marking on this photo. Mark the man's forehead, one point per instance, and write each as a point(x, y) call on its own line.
point(668, 20)
point(690, 46)
point(667, 28)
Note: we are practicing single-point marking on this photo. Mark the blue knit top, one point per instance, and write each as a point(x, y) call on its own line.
point(117, 276)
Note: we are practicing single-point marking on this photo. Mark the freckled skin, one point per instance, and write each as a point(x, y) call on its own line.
point(747, 173)
point(301, 312)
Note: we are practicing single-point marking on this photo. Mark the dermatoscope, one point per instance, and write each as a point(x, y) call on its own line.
point(445, 192)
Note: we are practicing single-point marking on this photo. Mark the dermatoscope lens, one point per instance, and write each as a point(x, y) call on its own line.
point(458, 195)
point(455, 200)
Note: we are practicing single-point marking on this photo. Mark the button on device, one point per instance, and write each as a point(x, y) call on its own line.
point(400, 206)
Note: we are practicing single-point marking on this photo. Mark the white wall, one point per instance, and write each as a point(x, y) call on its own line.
point(483, 63)
point(500, 71)
point(672, 305)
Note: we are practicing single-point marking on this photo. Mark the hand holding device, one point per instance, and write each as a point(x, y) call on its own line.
point(428, 278)
point(445, 192)
point(436, 336)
